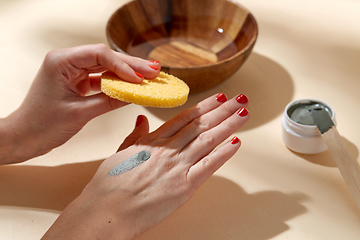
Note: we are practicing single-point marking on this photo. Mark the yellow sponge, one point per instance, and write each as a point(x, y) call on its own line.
point(165, 91)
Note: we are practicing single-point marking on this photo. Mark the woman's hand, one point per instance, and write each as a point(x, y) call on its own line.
point(57, 106)
point(182, 158)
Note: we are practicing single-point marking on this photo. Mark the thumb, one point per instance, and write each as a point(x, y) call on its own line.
point(95, 105)
point(141, 129)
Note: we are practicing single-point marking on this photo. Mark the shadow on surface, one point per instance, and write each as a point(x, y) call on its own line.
point(42, 187)
point(268, 86)
point(220, 209)
point(325, 158)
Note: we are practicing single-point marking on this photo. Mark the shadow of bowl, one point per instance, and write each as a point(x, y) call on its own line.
point(267, 84)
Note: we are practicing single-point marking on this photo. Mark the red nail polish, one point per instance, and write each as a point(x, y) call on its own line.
point(242, 99)
point(139, 75)
point(139, 120)
point(221, 98)
point(235, 140)
point(155, 61)
point(242, 112)
point(154, 67)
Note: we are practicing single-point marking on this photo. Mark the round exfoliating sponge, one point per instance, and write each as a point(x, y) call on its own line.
point(165, 91)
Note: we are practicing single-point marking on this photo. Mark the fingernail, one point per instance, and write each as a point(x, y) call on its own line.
point(242, 112)
point(139, 75)
point(242, 99)
point(155, 61)
point(235, 140)
point(154, 67)
point(139, 120)
point(221, 98)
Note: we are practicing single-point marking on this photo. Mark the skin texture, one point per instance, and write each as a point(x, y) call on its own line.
point(57, 97)
point(125, 205)
point(130, 163)
point(137, 200)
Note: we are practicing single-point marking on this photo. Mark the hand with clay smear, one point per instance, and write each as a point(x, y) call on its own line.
point(57, 105)
point(153, 174)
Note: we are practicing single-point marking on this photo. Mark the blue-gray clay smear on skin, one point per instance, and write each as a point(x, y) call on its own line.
point(130, 163)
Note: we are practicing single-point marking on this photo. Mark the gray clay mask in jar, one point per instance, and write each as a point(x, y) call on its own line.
point(299, 131)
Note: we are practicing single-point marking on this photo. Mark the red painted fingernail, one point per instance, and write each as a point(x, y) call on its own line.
point(242, 112)
point(221, 98)
point(139, 75)
point(155, 61)
point(139, 120)
point(154, 67)
point(235, 140)
point(242, 99)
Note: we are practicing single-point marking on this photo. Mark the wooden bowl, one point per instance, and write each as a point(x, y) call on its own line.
point(202, 42)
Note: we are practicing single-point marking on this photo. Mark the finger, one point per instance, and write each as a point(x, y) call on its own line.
point(141, 129)
point(207, 121)
point(209, 140)
point(91, 83)
point(128, 68)
point(149, 69)
point(111, 61)
point(172, 126)
point(95, 82)
point(83, 87)
point(203, 169)
point(99, 57)
point(95, 105)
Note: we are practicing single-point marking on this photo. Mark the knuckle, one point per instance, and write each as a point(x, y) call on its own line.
point(58, 61)
point(51, 58)
point(232, 125)
point(101, 47)
point(118, 67)
point(185, 117)
point(201, 123)
point(227, 109)
point(206, 161)
point(168, 165)
point(101, 51)
point(206, 138)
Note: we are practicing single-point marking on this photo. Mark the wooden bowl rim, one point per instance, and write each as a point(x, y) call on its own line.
point(246, 48)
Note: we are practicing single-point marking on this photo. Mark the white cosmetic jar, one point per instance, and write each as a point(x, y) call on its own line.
point(301, 138)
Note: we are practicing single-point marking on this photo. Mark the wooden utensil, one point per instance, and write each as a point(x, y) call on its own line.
point(349, 168)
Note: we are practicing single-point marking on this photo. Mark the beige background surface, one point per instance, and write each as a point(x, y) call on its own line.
point(305, 49)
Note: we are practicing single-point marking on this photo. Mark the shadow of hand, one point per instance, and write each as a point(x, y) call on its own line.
point(51, 188)
point(220, 209)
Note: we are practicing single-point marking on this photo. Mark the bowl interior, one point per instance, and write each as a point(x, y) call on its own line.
point(182, 33)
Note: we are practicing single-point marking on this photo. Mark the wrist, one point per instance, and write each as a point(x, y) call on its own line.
point(87, 219)
point(8, 146)
point(16, 143)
